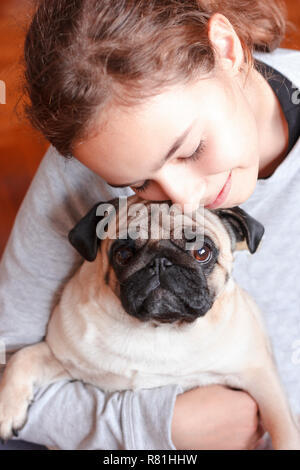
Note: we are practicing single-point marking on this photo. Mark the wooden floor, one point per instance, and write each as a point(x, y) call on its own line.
point(21, 149)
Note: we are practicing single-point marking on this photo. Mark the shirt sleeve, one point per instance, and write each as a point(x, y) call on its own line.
point(77, 416)
point(37, 262)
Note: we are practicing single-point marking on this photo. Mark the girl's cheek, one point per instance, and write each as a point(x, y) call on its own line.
point(230, 150)
point(218, 158)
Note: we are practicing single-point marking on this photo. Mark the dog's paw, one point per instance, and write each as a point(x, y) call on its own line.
point(14, 403)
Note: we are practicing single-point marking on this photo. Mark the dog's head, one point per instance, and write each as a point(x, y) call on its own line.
point(156, 277)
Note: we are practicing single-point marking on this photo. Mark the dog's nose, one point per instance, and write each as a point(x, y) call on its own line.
point(160, 264)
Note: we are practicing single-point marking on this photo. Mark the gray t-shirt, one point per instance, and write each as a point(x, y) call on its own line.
point(38, 260)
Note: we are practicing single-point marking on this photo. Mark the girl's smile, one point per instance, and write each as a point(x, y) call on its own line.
point(221, 198)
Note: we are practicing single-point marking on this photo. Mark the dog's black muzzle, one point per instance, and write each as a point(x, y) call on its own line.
point(166, 292)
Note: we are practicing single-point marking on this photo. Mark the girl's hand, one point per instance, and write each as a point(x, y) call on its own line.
point(216, 417)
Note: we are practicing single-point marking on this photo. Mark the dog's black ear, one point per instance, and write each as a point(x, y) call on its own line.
point(243, 226)
point(83, 237)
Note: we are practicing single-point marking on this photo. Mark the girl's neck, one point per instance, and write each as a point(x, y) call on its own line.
point(272, 126)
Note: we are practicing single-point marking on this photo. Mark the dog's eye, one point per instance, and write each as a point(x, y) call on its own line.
point(123, 255)
point(203, 255)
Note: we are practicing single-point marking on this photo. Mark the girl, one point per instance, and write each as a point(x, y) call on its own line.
point(171, 99)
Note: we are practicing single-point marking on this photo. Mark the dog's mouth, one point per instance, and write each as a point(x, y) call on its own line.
point(163, 306)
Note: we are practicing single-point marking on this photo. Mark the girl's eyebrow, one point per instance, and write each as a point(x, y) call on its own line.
point(177, 144)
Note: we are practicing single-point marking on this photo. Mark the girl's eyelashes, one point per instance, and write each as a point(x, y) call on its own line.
point(194, 157)
point(143, 187)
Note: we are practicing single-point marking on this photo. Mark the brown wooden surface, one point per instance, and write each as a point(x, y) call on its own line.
point(21, 148)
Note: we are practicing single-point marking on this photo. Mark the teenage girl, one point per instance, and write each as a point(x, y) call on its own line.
point(187, 100)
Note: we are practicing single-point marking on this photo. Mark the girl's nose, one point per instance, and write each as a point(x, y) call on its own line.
point(183, 188)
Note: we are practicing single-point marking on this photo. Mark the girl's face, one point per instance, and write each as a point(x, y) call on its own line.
point(181, 145)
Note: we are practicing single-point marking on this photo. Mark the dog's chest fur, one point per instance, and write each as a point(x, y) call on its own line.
point(97, 342)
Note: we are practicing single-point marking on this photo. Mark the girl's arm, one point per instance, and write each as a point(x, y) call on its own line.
point(37, 261)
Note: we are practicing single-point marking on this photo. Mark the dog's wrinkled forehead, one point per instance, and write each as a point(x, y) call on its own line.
point(147, 221)
point(143, 220)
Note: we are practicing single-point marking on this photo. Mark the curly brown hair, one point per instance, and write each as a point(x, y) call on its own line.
point(82, 55)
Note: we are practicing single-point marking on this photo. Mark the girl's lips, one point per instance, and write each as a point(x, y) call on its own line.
point(222, 194)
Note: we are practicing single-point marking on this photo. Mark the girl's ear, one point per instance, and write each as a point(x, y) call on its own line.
point(226, 43)
point(245, 228)
point(83, 237)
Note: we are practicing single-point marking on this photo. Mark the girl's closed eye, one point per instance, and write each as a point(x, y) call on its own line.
point(194, 157)
point(141, 188)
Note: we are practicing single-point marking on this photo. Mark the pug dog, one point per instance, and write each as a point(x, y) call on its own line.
point(147, 312)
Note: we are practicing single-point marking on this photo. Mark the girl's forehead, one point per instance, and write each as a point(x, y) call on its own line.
point(164, 109)
point(133, 140)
